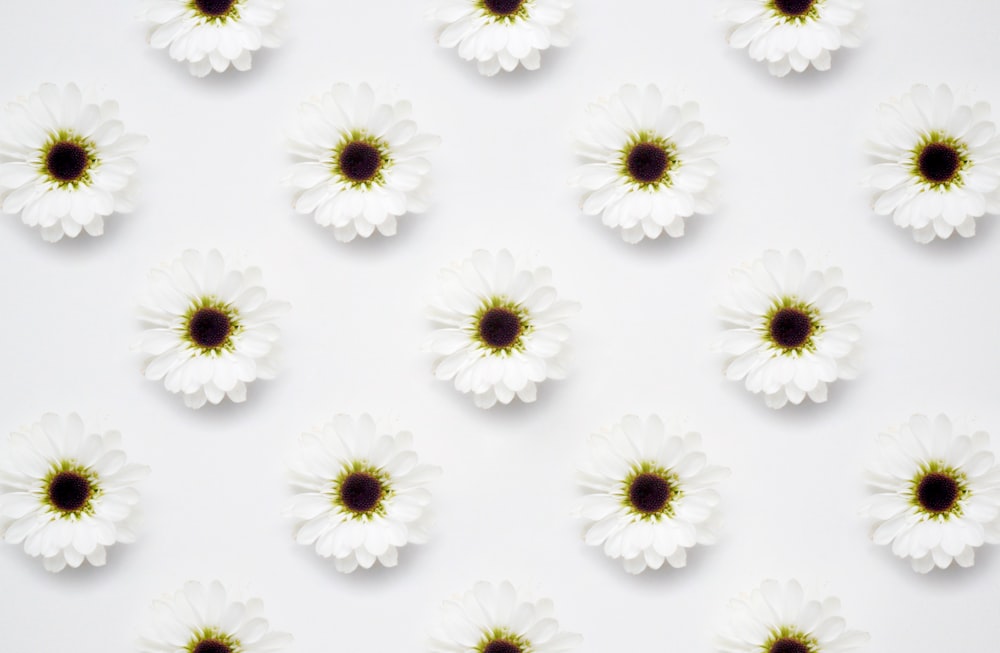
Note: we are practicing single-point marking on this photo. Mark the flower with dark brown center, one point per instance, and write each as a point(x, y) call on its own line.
point(361, 492)
point(69, 491)
point(67, 161)
point(937, 492)
point(502, 7)
point(500, 327)
point(501, 646)
point(210, 327)
point(788, 645)
point(649, 493)
point(647, 162)
point(211, 646)
point(794, 8)
point(939, 162)
point(360, 161)
point(214, 8)
point(790, 328)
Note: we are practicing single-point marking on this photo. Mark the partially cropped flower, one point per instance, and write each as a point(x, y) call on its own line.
point(792, 329)
point(214, 34)
point(794, 34)
point(66, 495)
point(210, 619)
point(649, 164)
point(361, 494)
point(362, 162)
point(211, 329)
point(939, 163)
point(652, 495)
point(498, 618)
point(500, 34)
point(786, 618)
point(66, 162)
point(937, 493)
point(502, 328)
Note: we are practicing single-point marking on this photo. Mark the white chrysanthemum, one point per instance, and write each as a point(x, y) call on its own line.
point(653, 495)
point(650, 163)
point(937, 493)
point(503, 329)
point(209, 619)
point(497, 618)
point(939, 163)
point(500, 34)
point(214, 34)
point(363, 162)
point(362, 495)
point(66, 162)
point(67, 494)
point(785, 618)
point(792, 34)
point(793, 329)
point(211, 328)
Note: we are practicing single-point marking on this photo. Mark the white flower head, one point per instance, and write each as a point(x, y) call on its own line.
point(362, 162)
point(652, 495)
point(792, 34)
point(214, 34)
point(502, 328)
point(361, 493)
point(211, 328)
point(66, 162)
point(936, 493)
point(500, 34)
point(649, 164)
point(938, 163)
point(202, 618)
point(786, 618)
point(67, 495)
point(499, 618)
point(792, 329)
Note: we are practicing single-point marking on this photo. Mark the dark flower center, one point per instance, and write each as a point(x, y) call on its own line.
point(502, 8)
point(212, 646)
point(361, 492)
point(788, 645)
point(790, 328)
point(649, 492)
point(210, 327)
point(69, 491)
point(938, 162)
point(794, 8)
point(501, 646)
point(937, 492)
point(67, 161)
point(647, 162)
point(360, 161)
point(214, 8)
point(500, 327)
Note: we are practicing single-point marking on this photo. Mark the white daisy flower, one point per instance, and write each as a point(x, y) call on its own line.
point(939, 163)
point(497, 618)
point(653, 495)
point(66, 494)
point(649, 163)
point(66, 162)
point(363, 162)
point(214, 34)
point(502, 329)
point(937, 493)
point(209, 619)
point(793, 329)
point(362, 495)
point(785, 618)
point(211, 328)
point(792, 34)
point(500, 34)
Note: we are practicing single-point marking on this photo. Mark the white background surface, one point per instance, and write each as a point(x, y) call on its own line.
point(210, 177)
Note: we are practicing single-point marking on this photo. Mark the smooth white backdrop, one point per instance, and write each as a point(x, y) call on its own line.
point(210, 178)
